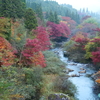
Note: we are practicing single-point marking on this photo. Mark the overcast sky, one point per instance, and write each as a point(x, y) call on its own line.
point(92, 5)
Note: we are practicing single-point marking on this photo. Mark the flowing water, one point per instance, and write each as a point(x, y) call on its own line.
point(83, 83)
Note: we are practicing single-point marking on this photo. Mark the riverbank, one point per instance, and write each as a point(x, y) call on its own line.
point(84, 82)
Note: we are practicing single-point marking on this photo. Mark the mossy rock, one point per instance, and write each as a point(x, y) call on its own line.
point(58, 96)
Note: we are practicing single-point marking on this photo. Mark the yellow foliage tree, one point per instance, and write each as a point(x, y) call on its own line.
point(5, 27)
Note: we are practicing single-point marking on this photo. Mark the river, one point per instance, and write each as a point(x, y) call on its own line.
point(83, 83)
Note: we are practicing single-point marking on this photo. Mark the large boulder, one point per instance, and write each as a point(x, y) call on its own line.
point(58, 96)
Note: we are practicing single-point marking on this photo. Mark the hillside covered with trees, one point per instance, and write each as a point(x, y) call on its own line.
point(29, 29)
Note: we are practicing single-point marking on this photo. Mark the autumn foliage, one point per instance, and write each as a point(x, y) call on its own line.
point(97, 29)
point(69, 22)
point(32, 51)
point(6, 53)
point(43, 38)
point(97, 80)
point(81, 39)
point(5, 27)
point(90, 46)
point(96, 53)
point(96, 57)
point(97, 77)
point(58, 30)
point(38, 59)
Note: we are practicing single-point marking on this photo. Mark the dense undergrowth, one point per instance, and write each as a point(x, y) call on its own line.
point(35, 83)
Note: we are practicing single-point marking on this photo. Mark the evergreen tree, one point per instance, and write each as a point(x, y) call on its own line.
point(37, 8)
point(83, 10)
point(19, 8)
point(0, 7)
point(30, 19)
point(12, 8)
point(68, 13)
point(56, 18)
point(5, 8)
point(87, 10)
point(51, 17)
point(23, 1)
point(39, 11)
point(47, 15)
point(77, 18)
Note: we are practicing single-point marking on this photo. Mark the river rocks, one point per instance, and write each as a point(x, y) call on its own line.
point(70, 70)
point(65, 71)
point(84, 71)
point(73, 64)
point(56, 52)
point(58, 96)
point(75, 75)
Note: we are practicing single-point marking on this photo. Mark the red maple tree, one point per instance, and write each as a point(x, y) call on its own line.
point(58, 30)
point(32, 54)
point(43, 38)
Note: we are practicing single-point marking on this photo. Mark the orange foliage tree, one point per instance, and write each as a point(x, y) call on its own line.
point(6, 53)
point(39, 59)
point(32, 55)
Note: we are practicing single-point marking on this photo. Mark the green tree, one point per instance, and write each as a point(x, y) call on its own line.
point(0, 7)
point(91, 21)
point(12, 8)
point(51, 17)
point(39, 11)
point(23, 1)
point(19, 8)
point(56, 18)
point(30, 19)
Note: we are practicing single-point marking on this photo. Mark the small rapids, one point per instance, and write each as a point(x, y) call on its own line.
point(84, 83)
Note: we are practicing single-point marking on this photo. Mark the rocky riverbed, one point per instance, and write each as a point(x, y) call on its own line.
point(80, 75)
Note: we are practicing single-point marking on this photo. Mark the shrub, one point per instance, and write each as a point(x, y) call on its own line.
point(69, 46)
point(26, 82)
point(4, 93)
point(54, 64)
point(64, 85)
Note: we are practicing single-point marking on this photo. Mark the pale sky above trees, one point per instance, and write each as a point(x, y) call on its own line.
point(92, 5)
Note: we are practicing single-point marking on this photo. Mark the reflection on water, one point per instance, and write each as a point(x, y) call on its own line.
point(83, 83)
